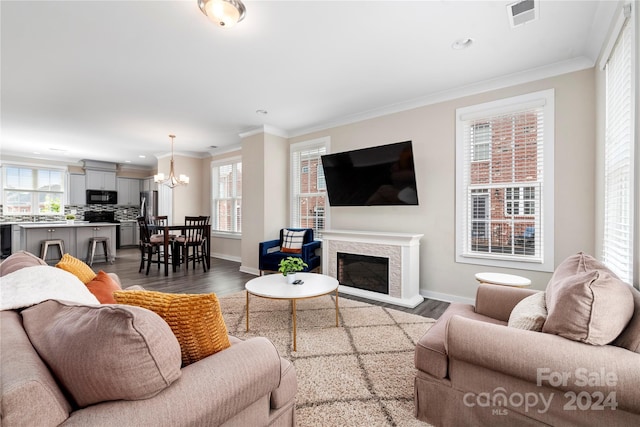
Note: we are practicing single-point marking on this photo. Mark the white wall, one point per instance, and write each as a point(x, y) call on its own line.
point(432, 130)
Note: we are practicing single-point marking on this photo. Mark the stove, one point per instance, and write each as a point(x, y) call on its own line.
point(104, 216)
point(101, 216)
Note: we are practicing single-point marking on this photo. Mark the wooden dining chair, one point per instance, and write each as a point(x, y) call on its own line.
point(149, 246)
point(192, 242)
point(159, 222)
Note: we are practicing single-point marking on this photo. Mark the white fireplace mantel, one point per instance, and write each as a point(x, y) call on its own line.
point(402, 250)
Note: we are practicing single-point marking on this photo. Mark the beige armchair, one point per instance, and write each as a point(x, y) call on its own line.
point(473, 369)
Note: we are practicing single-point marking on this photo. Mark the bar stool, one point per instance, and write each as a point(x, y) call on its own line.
point(44, 247)
point(106, 248)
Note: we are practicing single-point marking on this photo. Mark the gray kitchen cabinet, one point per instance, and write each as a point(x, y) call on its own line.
point(127, 233)
point(128, 191)
point(77, 189)
point(100, 180)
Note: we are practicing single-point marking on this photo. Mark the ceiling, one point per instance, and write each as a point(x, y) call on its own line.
point(109, 80)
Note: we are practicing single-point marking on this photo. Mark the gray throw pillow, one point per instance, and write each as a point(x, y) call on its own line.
point(104, 352)
point(587, 302)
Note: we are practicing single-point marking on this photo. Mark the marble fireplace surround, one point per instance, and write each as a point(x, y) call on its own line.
point(401, 249)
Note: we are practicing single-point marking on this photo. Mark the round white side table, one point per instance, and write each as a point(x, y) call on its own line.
point(503, 279)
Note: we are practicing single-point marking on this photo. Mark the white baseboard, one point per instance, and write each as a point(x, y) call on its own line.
point(250, 270)
point(226, 257)
point(447, 297)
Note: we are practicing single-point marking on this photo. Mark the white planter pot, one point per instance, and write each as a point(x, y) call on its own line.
point(291, 277)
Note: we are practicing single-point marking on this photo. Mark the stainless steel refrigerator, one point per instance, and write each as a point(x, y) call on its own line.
point(148, 204)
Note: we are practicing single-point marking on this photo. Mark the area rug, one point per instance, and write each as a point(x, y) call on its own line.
point(358, 374)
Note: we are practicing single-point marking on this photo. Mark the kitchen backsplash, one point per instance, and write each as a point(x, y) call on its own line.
point(122, 213)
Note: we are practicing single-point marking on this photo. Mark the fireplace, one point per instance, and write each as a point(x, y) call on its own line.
point(370, 273)
point(400, 252)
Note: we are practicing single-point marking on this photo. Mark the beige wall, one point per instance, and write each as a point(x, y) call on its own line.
point(186, 199)
point(264, 193)
point(432, 130)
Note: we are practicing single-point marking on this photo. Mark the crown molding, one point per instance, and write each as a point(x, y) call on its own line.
point(559, 68)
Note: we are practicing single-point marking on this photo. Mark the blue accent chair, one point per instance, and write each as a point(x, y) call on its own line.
point(269, 254)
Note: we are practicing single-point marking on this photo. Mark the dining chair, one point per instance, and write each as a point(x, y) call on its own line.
point(192, 243)
point(149, 245)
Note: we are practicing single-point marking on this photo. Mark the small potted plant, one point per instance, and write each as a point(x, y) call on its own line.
point(70, 218)
point(289, 266)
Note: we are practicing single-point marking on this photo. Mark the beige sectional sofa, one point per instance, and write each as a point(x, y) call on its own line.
point(473, 369)
point(245, 384)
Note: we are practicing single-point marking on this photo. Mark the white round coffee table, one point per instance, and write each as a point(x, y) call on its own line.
point(503, 279)
point(275, 286)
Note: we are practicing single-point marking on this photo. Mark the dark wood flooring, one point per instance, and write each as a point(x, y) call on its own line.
point(223, 278)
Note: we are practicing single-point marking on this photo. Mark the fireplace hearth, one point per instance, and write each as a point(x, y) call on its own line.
point(370, 273)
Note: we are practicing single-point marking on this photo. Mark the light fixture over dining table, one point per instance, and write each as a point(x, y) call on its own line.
point(224, 13)
point(172, 180)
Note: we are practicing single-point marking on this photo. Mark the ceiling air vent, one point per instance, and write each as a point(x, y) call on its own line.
point(522, 12)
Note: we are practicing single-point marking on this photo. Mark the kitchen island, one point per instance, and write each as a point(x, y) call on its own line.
point(75, 236)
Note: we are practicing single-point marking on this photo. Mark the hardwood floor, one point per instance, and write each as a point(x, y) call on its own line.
point(223, 278)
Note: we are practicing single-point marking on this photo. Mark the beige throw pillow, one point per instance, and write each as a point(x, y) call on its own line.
point(587, 302)
point(530, 313)
point(104, 352)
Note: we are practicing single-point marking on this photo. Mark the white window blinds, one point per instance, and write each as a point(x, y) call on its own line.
point(308, 190)
point(227, 196)
point(502, 180)
point(618, 159)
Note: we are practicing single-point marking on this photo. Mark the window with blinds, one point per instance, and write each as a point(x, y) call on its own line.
point(33, 190)
point(618, 158)
point(308, 188)
point(227, 196)
point(503, 178)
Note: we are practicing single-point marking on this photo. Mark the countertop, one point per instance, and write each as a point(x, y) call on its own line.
point(65, 225)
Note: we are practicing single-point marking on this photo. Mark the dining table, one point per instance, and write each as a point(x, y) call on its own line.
point(170, 242)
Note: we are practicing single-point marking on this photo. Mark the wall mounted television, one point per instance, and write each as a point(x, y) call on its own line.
point(382, 175)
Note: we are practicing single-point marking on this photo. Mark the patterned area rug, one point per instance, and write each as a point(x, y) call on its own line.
point(358, 374)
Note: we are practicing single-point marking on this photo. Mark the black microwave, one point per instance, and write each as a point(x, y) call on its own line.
point(102, 197)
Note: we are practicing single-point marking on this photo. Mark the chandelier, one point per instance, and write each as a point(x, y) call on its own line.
point(172, 180)
point(225, 13)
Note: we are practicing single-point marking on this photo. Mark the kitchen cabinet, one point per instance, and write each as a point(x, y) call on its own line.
point(128, 233)
point(128, 191)
point(32, 241)
point(148, 184)
point(83, 234)
point(77, 190)
point(15, 238)
point(75, 237)
point(100, 180)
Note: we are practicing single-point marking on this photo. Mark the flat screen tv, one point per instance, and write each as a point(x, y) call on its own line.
point(382, 175)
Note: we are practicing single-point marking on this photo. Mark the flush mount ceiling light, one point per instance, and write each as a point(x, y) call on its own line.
point(172, 180)
point(225, 13)
point(462, 43)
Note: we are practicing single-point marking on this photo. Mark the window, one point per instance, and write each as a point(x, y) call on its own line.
point(617, 247)
point(227, 196)
point(33, 191)
point(504, 182)
point(481, 137)
point(308, 188)
point(520, 201)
